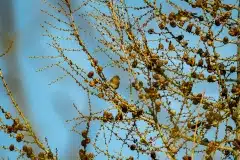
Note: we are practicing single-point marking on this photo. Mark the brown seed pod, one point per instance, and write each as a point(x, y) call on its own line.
point(187, 158)
point(194, 75)
point(171, 46)
point(87, 140)
point(8, 115)
point(153, 155)
point(130, 158)
point(19, 137)
point(139, 112)
point(172, 16)
point(99, 69)
point(25, 148)
point(81, 153)
point(191, 61)
point(92, 84)
point(41, 155)
point(50, 155)
point(211, 78)
point(201, 76)
point(181, 23)
point(11, 147)
point(107, 116)
point(115, 82)
point(197, 98)
point(29, 151)
point(173, 23)
point(124, 108)
point(210, 42)
point(133, 147)
point(84, 133)
point(95, 62)
point(189, 27)
point(158, 102)
point(234, 31)
point(185, 57)
point(162, 25)
point(217, 22)
point(232, 69)
point(198, 30)
point(151, 31)
point(225, 40)
point(100, 95)
point(90, 74)
point(200, 63)
point(83, 143)
point(135, 63)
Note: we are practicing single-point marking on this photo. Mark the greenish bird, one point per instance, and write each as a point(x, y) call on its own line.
point(115, 82)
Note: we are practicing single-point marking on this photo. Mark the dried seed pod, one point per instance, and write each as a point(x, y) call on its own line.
point(135, 63)
point(153, 155)
point(234, 31)
point(185, 57)
point(191, 61)
point(217, 22)
point(186, 87)
point(173, 23)
point(25, 148)
point(29, 151)
point(201, 18)
point(151, 31)
point(19, 137)
point(124, 108)
point(90, 74)
point(107, 116)
point(84, 133)
point(160, 46)
point(92, 84)
point(115, 82)
point(189, 27)
point(171, 46)
point(9, 129)
point(194, 75)
point(180, 37)
point(7, 115)
point(210, 42)
point(225, 40)
point(181, 23)
point(162, 25)
point(201, 76)
point(198, 30)
point(232, 69)
point(187, 158)
point(205, 140)
point(200, 63)
point(41, 155)
point(95, 62)
point(158, 102)
point(211, 78)
point(197, 98)
point(172, 16)
point(11, 147)
point(200, 51)
point(133, 147)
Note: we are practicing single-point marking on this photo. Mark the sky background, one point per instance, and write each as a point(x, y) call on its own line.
point(47, 106)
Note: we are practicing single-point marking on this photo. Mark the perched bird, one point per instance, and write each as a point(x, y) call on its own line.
point(115, 82)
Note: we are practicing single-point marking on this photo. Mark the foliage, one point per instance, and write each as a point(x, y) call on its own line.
point(164, 56)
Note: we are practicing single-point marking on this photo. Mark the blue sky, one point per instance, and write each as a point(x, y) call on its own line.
point(49, 106)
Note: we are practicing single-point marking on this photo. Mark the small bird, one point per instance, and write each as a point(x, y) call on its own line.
point(115, 82)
